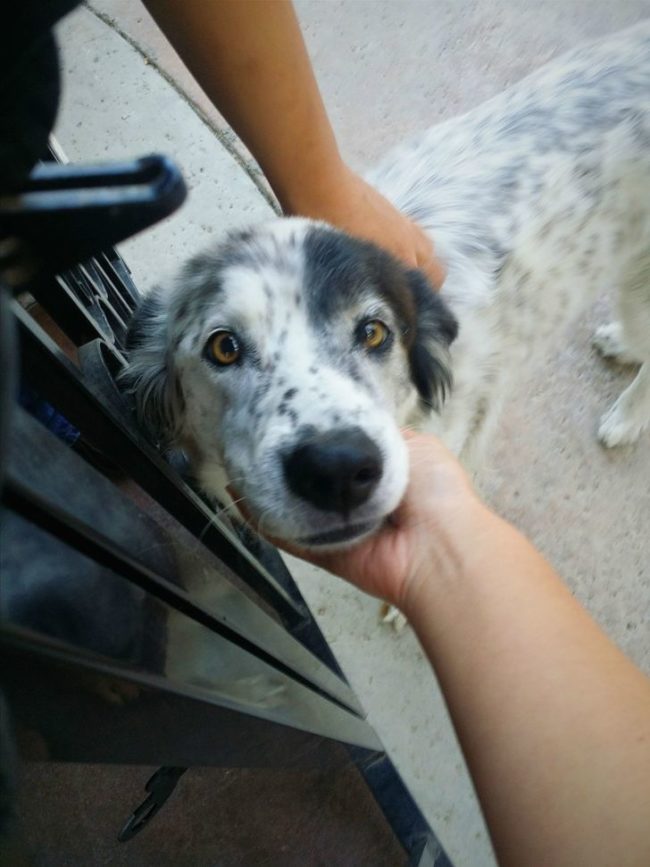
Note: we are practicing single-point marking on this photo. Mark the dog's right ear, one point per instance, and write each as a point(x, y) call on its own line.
point(149, 376)
point(435, 329)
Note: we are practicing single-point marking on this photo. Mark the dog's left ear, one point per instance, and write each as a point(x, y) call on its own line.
point(148, 376)
point(435, 328)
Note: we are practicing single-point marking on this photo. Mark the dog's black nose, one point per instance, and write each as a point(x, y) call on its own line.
point(334, 471)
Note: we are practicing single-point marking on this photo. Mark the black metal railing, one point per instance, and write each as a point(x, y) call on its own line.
point(136, 622)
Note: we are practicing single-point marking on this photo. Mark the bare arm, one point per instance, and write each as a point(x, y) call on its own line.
point(250, 58)
point(553, 719)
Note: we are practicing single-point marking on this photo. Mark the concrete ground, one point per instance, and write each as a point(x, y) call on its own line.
point(387, 69)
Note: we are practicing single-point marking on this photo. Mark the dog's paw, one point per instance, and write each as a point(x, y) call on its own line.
point(608, 340)
point(393, 616)
point(616, 429)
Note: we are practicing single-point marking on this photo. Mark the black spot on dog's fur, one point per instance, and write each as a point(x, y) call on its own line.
point(285, 410)
point(435, 329)
point(243, 236)
point(352, 367)
point(335, 267)
point(340, 269)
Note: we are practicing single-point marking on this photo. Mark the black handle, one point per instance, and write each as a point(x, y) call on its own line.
point(64, 214)
point(160, 787)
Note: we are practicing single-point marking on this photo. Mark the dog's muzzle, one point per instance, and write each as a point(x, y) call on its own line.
point(336, 471)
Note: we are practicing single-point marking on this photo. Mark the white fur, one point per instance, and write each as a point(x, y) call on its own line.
point(573, 220)
point(537, 201)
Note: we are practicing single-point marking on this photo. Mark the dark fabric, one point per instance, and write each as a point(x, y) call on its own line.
point(29, 84)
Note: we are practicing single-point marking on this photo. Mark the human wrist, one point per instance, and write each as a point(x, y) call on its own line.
point(315, 186)
point(451, 546)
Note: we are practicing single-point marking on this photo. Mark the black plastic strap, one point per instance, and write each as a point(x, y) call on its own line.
point(160, 787)
point(64, 214)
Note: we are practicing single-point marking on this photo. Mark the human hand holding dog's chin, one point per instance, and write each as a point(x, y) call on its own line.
point(351, 204)
point(424, 538)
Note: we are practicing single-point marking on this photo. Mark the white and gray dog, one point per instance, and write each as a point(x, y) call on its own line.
point(286, 359)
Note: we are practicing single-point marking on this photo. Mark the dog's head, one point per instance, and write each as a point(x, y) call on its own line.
point(285, 362)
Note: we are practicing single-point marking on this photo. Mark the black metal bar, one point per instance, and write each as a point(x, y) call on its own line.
point(67, 213)
point(60, 691)
point(79, 303)
point(45, 365)
point(8, 371)
point(47, 515)
point(399, 808)
point(119, 274)
point(72, 317)
point(112, 288)
point(43, 464)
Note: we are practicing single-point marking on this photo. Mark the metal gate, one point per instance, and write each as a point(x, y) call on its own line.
point(136, 622)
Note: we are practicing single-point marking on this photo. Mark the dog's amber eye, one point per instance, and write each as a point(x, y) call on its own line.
point(223, 347)
point(374, 334)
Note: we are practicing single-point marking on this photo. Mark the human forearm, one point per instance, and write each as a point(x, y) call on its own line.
point(249, 56)
point(554, 721)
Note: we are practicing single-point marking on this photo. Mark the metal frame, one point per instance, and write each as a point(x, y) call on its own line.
point(136, 623)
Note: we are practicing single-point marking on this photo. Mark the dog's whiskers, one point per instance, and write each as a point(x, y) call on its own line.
point(217, 514)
